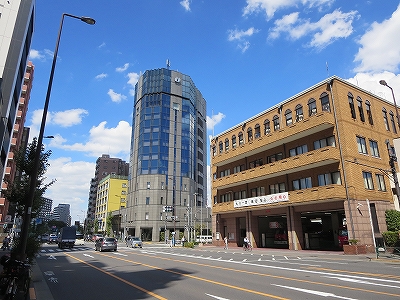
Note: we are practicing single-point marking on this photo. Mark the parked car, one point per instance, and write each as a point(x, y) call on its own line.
point(96, 236)
point(52, 238)
point(45, 238)
point(134, 242)
point(105, 243)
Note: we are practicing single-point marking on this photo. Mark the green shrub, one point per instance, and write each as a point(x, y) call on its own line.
point(391, 238)
point(189, 244)
point(392, 220)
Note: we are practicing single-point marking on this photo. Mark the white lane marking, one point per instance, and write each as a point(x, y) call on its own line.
point(53, 279)
point(318, 293)
point(117, 253)
point(216, 297)
point(48, 273)
point(84, 254)
point(362, 281)
point(52, 257)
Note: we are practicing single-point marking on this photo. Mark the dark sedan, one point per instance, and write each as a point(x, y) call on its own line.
point(105, 243)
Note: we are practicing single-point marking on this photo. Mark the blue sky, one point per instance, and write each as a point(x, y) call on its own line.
point(244, 56)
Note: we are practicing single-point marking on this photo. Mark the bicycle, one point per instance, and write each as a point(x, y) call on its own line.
point(247, 247)
point(15, 279)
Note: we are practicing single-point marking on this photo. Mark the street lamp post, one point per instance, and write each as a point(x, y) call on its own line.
point(383, 82)
point(35, 170)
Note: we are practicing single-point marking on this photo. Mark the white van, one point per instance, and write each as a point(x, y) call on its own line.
point(204, 239)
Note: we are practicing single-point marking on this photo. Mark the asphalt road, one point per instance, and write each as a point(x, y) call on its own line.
point(160, 272)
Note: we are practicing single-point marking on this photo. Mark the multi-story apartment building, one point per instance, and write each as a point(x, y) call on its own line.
point(298, 175)
point(45, 210)
point(62, 213)
point(19, 139)
point(16, 29)
point(112, 191)
point(105, 165)
point(168, 154)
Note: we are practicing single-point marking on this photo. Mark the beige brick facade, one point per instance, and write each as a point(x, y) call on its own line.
point(285, 159)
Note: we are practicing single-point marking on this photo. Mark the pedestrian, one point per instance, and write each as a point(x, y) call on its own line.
point(225, 243)
point(183, 241)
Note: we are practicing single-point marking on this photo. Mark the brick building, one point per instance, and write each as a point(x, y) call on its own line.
point(301, 173)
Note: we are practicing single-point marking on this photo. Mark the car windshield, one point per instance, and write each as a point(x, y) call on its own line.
point(110, 240)
point(136, 239)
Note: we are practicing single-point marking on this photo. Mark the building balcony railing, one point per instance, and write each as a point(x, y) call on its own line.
point(298, 163)
point(297, 130)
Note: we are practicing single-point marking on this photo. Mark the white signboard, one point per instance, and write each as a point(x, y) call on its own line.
point(262, 200)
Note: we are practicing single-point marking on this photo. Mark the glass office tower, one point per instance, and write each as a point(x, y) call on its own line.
point(167, 177)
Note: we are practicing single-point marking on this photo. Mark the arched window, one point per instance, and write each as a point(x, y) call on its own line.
point(325, 102)
point(275, 119)
point(249, 134)
point(299, 112)
point(221, 147)
point(241, 141)
point(288, 117)
point(391, 114)
point(369, 112)
point(214, 150)
point(233, 141)
point(351, 104)
point(360, 109)
point(257, 133)
point(312, 107)
point(226, 144)
point(267, 127)
point(385, 119)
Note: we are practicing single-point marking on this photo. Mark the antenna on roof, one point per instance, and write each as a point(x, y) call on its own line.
point(168, 64)
point(327, 68)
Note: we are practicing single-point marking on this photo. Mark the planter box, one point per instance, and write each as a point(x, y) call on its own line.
point(355, 249)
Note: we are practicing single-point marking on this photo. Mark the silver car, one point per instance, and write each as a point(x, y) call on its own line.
point(134, 242)
point(105, 243)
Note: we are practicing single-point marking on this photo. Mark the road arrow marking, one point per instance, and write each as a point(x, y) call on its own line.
point(322, 294)
point(52, 257)
point(216, 297)
point(84, 254)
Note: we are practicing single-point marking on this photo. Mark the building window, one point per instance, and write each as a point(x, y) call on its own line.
point(299, 113)
point(361, 145)
point(221, 147)
point(255, 163)
point(325, 102)
point(360, 109)
point(226, 144)
point(288, 117)
point(146, 215)
point(147, 200)
point(257, 133)
point(249, 134)
point(298, 150)
point(241, 141)
point(369, 113)
point(162, 200)
point(385, 119)
point(380, 181)
point(214, 150)
point(303, 183)
point(274, 157)
point(392, 121)
point(373, 148)
point(234, 142)
point(329, 141)
point(276, 123)
point(329, 178)
point(267, 127)
point(238, 169)
point(312, 107)
point(277, 188)
point(351, 104)
point(368, 184)
point(148, 185)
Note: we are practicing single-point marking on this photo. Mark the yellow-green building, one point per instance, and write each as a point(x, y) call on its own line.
point(111, 196)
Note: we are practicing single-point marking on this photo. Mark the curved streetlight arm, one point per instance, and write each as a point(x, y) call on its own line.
point(35, 170)
point(383, 82)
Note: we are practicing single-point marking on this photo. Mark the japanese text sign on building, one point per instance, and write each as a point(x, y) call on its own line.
point(261, 200)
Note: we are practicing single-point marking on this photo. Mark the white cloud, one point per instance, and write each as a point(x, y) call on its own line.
point(271, 6)
point(115, 97)
point(40, 55)
point(329, 28)
point(122, 69)
point(370, 82)
point(72, 184)
point(185, 4)
point(68, 117)
point(214, 120)
point(241, 36)
point(380, 46)
point(114, 141)
point(133, 78)
point(101, 76)
point(102, 45)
